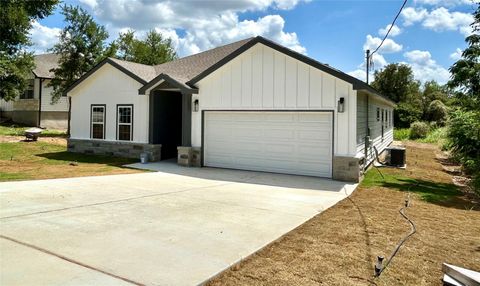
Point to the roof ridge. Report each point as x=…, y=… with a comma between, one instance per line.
x=131, y=62
x=206, y=51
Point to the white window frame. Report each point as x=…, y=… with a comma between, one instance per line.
x=127, y=124
x=104, y=107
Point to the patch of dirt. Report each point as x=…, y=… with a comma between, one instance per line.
x=51, y=140
x=340, y=245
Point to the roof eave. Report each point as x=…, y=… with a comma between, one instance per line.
x=98, y=66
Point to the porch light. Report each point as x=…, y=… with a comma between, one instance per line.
x=195, y=105
x=341, y=105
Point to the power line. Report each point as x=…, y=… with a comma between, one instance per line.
x=369, y=55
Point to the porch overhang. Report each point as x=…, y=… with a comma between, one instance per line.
x=173, y=83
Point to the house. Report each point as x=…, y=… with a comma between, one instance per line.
x=252, y=105
x=34, y=107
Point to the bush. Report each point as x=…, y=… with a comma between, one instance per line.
x=435, y=135
x=464, y=139
x=406, y=113
x=401, y=134
x=419, y=130
x=437, y=111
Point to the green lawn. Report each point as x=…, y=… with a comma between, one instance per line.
x=41, y=160
x=10, y=129
x=437, y=135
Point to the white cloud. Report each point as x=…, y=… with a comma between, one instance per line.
x=43, y=37
x=413, y=15
x=425, y=68
x=389, y=46
x=456, y=55
x=358, y=73
x=439, y=19
x=447, y=3
x=197, y=25
x=394, y=32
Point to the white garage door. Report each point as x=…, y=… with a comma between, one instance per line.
x=281, y=142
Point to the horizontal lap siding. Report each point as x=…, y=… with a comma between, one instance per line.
x=60, y=105
x=262, y=78
x=375, y=126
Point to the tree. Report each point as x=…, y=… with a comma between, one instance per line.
x=15, y=63
x=437, y=112
x=153, y=50
x=432, y=91
x=396, y=81
x=466, y=71
x=81, y=47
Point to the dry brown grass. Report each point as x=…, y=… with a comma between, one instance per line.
x=340, y=245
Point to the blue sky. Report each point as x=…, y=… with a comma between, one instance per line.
x=428, y=35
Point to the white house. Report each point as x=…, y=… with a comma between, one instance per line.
x=252, y=105
x=34, y=107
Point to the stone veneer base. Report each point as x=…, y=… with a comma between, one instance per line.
x=115, y=148
x=349, y=169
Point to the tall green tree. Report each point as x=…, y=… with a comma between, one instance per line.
x=466, y=71
x=396, y=81
x=432, y=92
x=464, y=123
x=16, y=18
x=81, y=46
x=153, y=50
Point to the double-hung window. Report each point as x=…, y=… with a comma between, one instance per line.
x=97, y=120
x=125, y=122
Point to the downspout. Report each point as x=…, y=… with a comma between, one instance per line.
x=69, y=115
x=367, y=137
x=40, y=102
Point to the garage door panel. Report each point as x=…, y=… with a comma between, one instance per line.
x=283, y=142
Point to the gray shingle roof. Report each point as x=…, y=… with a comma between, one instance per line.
x=183, y=69
x=44, y=63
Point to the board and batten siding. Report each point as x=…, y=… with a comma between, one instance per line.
x=375, y=126
x=262, y=78
x=108, y=86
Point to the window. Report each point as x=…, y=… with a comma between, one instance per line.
x=383, y=118
x=124, y=122
x=98, y=122
x=28, y=93
x=378, y=114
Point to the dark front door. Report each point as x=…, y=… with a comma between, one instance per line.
x=166, y=121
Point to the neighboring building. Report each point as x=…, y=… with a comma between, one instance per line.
x=34, y=107
x=252, y=105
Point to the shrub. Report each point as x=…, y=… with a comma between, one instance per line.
x=437, y=111
x=401, y=134
x=406, y=113
x=464, y=139
x=435, y=135
x=419, y=130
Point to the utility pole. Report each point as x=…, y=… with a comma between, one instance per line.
x=368, y=64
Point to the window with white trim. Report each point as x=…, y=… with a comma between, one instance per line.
x=97, y=120
x=124, y=122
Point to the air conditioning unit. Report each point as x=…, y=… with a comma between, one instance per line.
x=396, y=156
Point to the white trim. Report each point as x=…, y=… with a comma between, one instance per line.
x=102, y=123
x=125, y=124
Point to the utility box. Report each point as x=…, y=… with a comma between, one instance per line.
x=396, y=156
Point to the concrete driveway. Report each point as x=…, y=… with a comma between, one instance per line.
x=178, y=226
